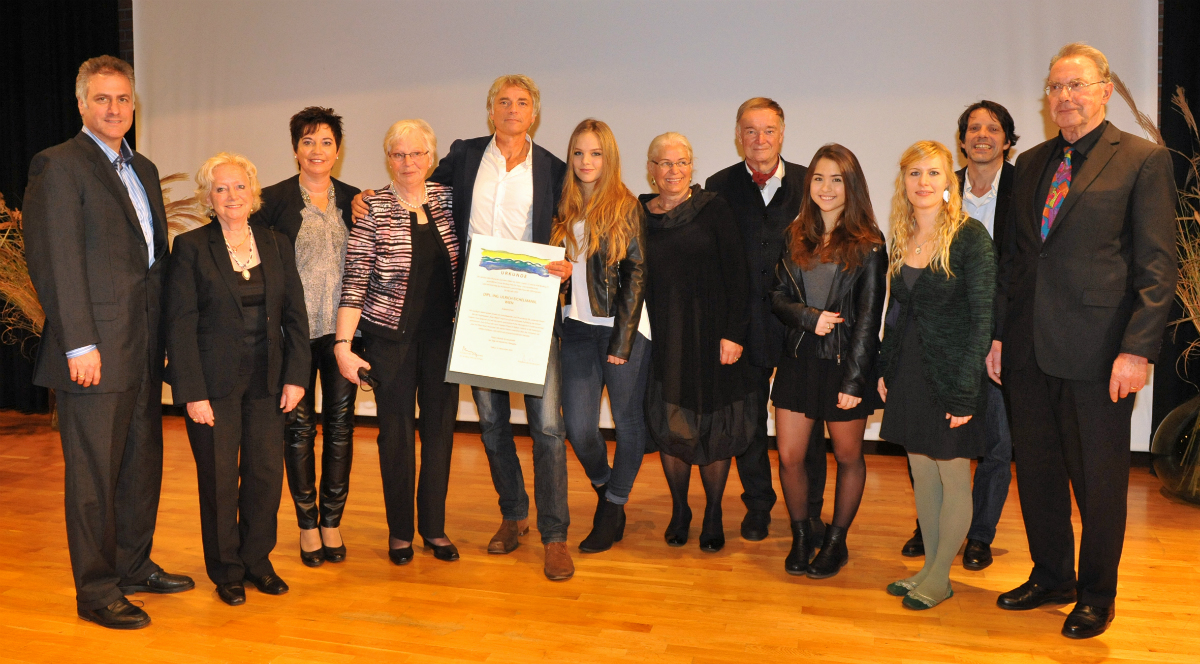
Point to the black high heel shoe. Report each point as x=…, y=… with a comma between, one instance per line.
x=334, y=554
x=677, y=530
x=448, y=553
x=712, y=535
x=401, y=556
x=312, y=558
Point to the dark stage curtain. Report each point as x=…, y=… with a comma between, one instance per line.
x=1175, y=381
x=42, y=44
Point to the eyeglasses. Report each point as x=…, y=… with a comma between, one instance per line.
x=402, y=156
x=1072, y=88
x=668, y=165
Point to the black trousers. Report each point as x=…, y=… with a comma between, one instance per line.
x=412, y=374
x=239, y=474
x=337, y=452
x=754, y=465
x=112, y=449
x=1070, y=436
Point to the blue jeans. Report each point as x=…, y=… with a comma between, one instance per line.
x=993, y=473
x=586, y=371
x=549, y=453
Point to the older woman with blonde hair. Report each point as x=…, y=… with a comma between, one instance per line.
x=937, y=333
x=399, y=289
x=700, y=405
x=238, y=356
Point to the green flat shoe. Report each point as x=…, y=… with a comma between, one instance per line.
x=919, y=602
x=900, y=588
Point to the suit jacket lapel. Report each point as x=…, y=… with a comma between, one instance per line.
x=268, y=255
x=1003, y=196
x=1097, y=159
x=465, y=187
x=108, y=175
x=543, y=198
x=216, y=245
x=747, y=188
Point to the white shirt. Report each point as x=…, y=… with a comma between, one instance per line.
x=581, y=308
x=502, y=202
x=983, y=207
x=773, y=184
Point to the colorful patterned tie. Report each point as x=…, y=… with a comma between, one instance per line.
x=1058, y=191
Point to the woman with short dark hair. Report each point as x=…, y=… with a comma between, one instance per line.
x=312, y=209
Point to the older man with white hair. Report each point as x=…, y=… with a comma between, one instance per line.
x=1080, y=312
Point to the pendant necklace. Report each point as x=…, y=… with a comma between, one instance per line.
x=244, y=267
x=919, y=246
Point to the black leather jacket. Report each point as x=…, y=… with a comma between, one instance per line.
x=858, y=295
x=617, y=291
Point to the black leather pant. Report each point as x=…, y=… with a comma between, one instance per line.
x=337, y=413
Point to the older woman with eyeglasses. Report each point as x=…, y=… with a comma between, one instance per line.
x=398, y=288
x=699, y=404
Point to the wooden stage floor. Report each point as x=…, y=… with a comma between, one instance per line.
x=640, y=602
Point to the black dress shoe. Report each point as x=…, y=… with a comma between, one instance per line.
x=401, y=556
x=977, y=555
x=1030, y=595
x=677, y=530
x=833, y=555
x=232, y=593
x=915, y=546
x=162, y=583
x=1086, y=621
x=118, y=615
x=269, y=584
x=448, y=553
x=754, y=525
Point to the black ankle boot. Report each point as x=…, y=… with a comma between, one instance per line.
x=677, y=530
x=712, y=534
x=609, y=528
x=601, y=498
x=796, y=562
x=832, y=556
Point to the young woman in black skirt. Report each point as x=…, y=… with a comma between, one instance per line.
x=829, y=291
x=931, y=363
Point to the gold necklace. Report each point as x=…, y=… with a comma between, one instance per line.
x=919, y=246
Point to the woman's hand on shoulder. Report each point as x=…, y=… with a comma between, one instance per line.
x=359, y=209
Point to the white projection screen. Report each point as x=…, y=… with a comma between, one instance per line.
x=873, y=75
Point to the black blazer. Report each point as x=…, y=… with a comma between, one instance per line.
x=763, y=228
x=1103, y=281
x=204, y=310
x=460, y=166
x=1000, y=239
x=89, y=262
x=282, y=204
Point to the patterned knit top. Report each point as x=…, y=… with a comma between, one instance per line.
x=379, y=253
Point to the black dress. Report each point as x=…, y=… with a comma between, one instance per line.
x=697, y=292
x=912, y=416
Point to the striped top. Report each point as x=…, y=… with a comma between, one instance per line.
x=379, y=253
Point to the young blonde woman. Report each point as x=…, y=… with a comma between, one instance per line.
x=937, y=332
x=605, y=333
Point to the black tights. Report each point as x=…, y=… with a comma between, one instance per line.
x=792, y=434
x=679, y=477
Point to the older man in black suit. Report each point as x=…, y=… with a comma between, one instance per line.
x=96, y=237
x=1083, y=301
x=765, y=193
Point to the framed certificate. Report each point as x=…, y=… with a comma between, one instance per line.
x=505, y=321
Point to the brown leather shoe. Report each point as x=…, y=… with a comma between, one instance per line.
x=505, y=540
x=558, y=562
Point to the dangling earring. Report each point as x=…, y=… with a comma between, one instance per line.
x=946, y=195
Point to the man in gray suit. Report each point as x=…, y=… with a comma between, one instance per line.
x=96, y=241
